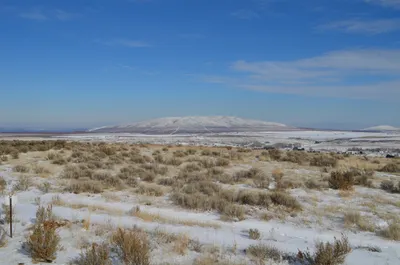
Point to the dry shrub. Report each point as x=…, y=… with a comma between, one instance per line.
x=132, y=246
x=173, y=161
x=179, y=153
x=40, y=170
x=88, y=186
x=254, y=234
x=94, y=255
x=275, y=154
x=206, y=152
x=150, y=190
x=181, y=244
x=76, y=172
x=45, y=187
x=253, y=173
x=391, y=168
x=191, y=167
x=392, y=231
x=166, y=181
x=3, y=184
x=285, y=199
x=323, y=160
x=3, y=237
x=328, y=253
x=389, y=186
x=207, y=162
x=232, y=212
x=23, y=183
x=314, y=184
x=222, y=162
x=342, y=180
x=355, y=218
x=21, y=169
x=44, y=241
x=295, y=157
x=155, y=168
x=262, y=252
x=191, y=151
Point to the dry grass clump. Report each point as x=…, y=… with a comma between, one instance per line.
x=297, y=157
x=254, y=234
x=3, y=237
x=391, y=168
x=327, y=253
x=275, y=154
x=88, y=186
x=40, y=170
x=341, y=180
x=354, y=218
x=262, y=252
x=173, y=161
x=389, y=186
x=23, y=183
x=155, y=168
x=94, y=255
x=44, y=241
x=323, y=160
x=76, y=172
x=21, y=169
x=3, y=184
x=253, y=173
x=180, y=153
x=392, y=232
x=21, y=146
x=208, y=259
x=150, y=190
x=222, y=162
x=181, y=244
x=132, y=246
x=191, y=167
x=285, y=199
x=166, y=181
x=207, y=162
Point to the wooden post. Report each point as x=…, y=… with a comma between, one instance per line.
x=11, y=231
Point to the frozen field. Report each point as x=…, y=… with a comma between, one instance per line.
x=150, y=177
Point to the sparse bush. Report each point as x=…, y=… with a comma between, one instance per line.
x=23, y=183
x=391, y=168
x=3, y=237
x=275, y=154
x=341, y=180
x=94, y=255
x=222, y=162
x=44, y=241
x=181, y=244
x=354, y=218
x=85, y=186
x=191, y=167
x=173, y=161
x=166, y=181
x=389, y=186
x=232, y=211
x=328, y=253
x=179, y=153
x=323, y=160
x=313, y=184
x=285, y=199
x=150, y=190
x=45, y=187
x=207, y=162
x=295, y=157
x=3, y=184
x=21, y=169
x=262, y=252
x=392, y=232
x=253, y=173
x=254, y=234
x=206, y=152
x=132, y=246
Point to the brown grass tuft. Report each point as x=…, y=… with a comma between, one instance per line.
x=131, y=246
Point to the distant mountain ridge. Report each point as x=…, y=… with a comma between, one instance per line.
x=382, y=128
x=194, y=124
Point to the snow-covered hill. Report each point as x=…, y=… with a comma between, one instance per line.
x=196, y=124
x=382, y=128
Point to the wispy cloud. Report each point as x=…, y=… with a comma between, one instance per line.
x=347, y=73
x=42, y=14
x=245, y=14
x=34, y=14
x=387, y=3
x=125, y=43
x=193, y=36
x=364, y=26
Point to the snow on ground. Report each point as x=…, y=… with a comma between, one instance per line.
x=287, y=236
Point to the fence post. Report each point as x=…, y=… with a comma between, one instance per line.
x=11, y=220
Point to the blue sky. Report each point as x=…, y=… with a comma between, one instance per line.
x=323, y=63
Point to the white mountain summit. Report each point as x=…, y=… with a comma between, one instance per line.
x=382, y=128
x=194, y=124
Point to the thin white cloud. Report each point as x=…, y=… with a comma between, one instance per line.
x=387, y=3
x=125, y=43
x=348, y=73
x=63, y=15
x=372, y=27
x=42, y=14
x=245, y=14
x=35, y=14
